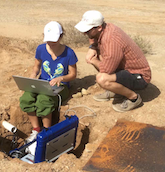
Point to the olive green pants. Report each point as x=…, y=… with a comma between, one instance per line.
x=41, y=104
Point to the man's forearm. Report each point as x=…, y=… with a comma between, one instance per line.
x=95, y=62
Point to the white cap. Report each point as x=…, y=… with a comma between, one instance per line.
x=89, y=20
x=52, y=31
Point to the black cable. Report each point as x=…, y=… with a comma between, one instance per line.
x=13, y=142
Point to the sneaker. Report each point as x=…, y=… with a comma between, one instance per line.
x=127, y=105
x=32, y=136
x=105, y=96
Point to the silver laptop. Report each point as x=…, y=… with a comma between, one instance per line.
x=36, y=86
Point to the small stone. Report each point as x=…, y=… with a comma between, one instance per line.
x=77, y=95
x=84, y=91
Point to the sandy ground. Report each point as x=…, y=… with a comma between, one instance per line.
x=22, y=20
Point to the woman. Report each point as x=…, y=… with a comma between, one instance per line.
x=56, y=63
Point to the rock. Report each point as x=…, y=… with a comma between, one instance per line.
x=77, y=95
x=84, y=91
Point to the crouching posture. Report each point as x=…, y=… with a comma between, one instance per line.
x=121, y=64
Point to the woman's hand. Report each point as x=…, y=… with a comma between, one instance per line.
x=65, y=78
x=33, y=75
x=56, y=81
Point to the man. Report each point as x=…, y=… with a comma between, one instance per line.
x=122, y=66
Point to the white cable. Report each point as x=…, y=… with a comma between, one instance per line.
x=81, y=106
x=86, y=116
x=71, y=109
x=59, y=106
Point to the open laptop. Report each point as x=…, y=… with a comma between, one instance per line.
x=37, y=86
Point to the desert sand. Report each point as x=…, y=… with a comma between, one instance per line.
x=23, y=21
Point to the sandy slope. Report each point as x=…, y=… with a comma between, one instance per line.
x=26, y=19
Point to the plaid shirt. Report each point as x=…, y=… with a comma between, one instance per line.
x=119, y=52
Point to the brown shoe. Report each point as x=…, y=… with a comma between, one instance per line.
x=127, y=105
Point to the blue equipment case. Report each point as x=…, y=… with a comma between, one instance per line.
x=54, y=141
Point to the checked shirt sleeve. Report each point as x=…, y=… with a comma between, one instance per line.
x=112, y=57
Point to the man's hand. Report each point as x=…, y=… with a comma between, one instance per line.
x=91, y=54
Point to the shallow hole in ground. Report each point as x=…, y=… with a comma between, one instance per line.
x=84, y=140
x=10, y=141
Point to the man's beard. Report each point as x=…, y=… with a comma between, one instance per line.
x=91, y=36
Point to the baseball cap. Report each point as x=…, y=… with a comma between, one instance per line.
x=89, y=20
x=52, y=31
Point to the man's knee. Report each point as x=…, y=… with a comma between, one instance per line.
x=104, y=78
x=100, y=78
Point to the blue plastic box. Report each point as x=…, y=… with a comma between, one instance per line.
x=51, y=143
x=59, y=138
